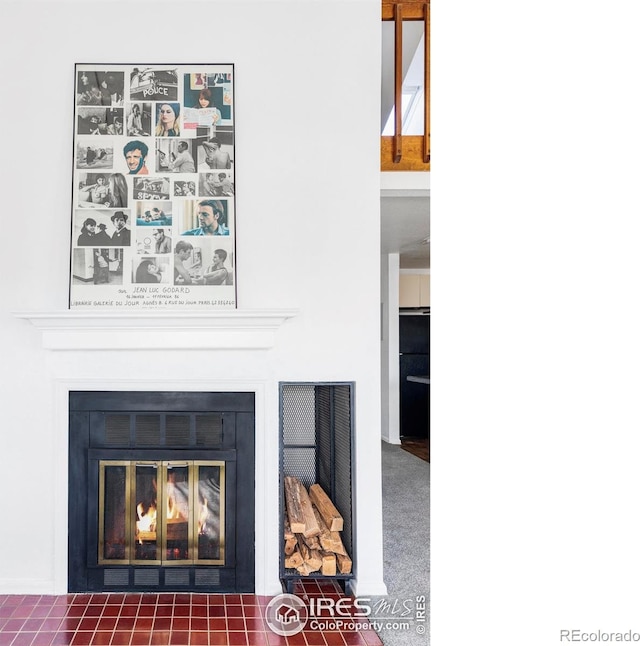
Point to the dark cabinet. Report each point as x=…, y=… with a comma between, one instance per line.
x=414, y=360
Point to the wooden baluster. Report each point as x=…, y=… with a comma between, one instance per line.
x=397, y=139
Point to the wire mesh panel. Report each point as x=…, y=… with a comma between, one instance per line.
x=298, y=433
x=316, y=437
x=342, y=480
x=324, y=437
x=298, y=415
x=301, y=463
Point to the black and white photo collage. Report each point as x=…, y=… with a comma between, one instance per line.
x=153, y=215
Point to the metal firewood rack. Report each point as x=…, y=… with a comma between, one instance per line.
x=316, y=446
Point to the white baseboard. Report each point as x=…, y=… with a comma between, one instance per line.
x=362, y=588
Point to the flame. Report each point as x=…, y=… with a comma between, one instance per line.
x=146, y=521
x=204, y=514
x=173, y=510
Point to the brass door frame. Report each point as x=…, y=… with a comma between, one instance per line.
x=162, y=468
x=159, y=511
x=223, y=480
x=165, y=466
x=127, y=512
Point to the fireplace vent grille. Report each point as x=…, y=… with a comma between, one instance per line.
x=208, y=430
x=176, y=577
x=142, y=430
x=178, y=427
x=116, y=430
x=147, y=430
x=146, y=577
x=119, y=578
x=208, y=578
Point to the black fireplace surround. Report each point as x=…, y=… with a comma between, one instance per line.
x=190, y=443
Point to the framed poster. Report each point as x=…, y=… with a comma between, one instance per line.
x=153, y=199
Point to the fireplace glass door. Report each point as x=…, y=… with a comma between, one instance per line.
x=161, y=512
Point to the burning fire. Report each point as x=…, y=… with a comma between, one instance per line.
x=173, y=508
x=146, y=520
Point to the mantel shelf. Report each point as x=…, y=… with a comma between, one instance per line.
x=221, y=330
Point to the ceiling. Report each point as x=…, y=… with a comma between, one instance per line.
x=405, y=225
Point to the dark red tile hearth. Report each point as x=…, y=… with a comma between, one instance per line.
x=199, y=638
x=160, y=637
x=142, y=638
x=235, y=623
x=43, y=639
x=82, y=638
x=199, y=624
x=164, y=619
x=314, y=638
x=218, y=623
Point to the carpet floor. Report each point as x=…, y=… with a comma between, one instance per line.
x=406, y=544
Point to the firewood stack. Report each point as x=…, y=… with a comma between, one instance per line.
x=312, y=524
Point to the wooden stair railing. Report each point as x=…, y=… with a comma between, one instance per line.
x=407, y=152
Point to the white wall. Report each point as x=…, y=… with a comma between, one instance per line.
x=390, y=349
x=307, y=179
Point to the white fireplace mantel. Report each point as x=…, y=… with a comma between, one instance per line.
x=220, y=330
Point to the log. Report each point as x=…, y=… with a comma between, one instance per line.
x=299, y=508
x=311, y=531
x=328, y=564
x=303, y=549
x=330, y=541
x=329, y=513
x=293, y=504
x=287, y=527
x=344, y=564
x=312, y=542
x=290, y=545
x=304, y=569
x=177, y=530
x=313, y=558
x=294, y=560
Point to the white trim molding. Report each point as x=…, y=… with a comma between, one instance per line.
x=222, y=330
